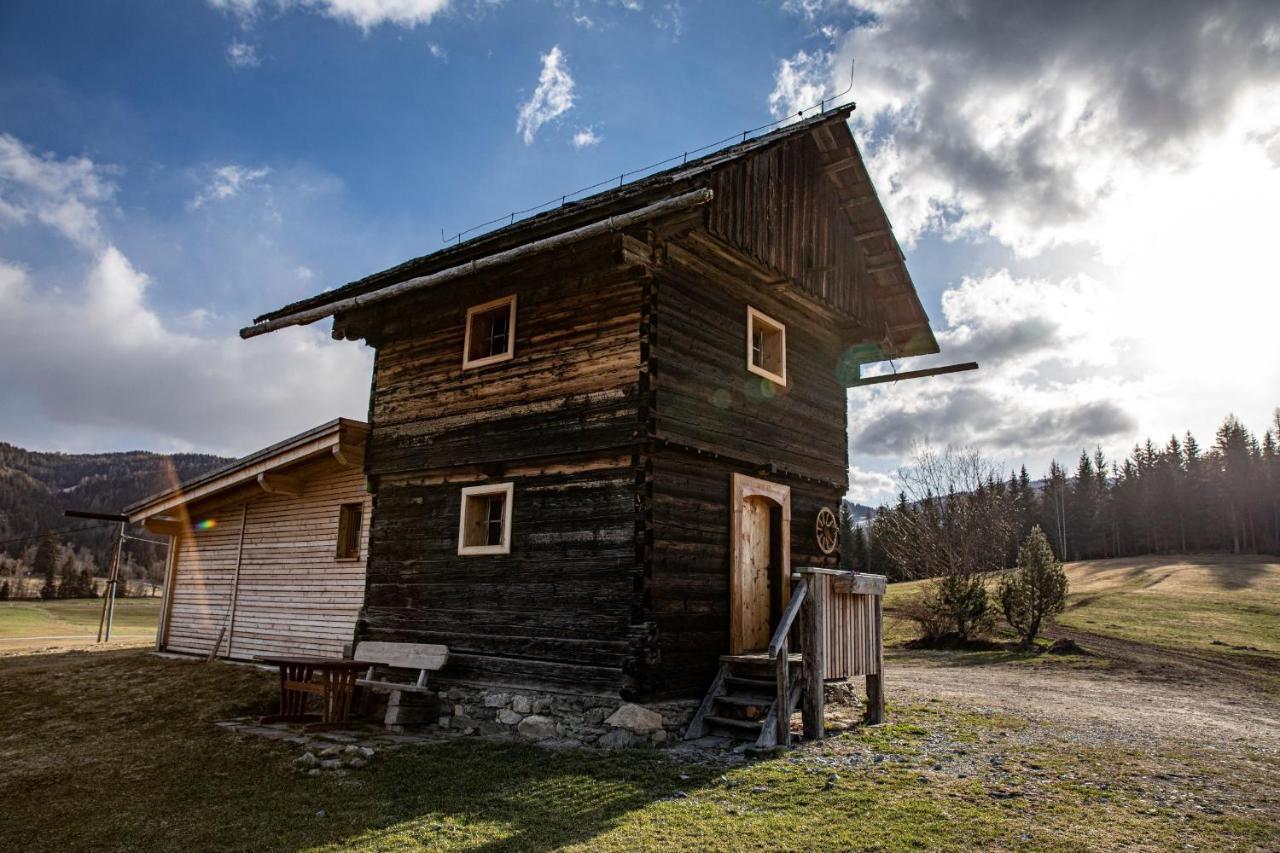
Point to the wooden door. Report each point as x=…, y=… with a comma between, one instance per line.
x=754, y=607
x=760, y=558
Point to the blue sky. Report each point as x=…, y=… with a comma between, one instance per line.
x=170, y=169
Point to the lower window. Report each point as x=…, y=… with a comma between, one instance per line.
x=485, y=523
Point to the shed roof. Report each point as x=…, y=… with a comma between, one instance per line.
x=340, y=435
x=908, y=331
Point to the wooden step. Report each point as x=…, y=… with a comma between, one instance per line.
x=742, y=681
x=729, y=722
x=748, y=701
x=758, y=659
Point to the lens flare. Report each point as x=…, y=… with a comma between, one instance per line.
x=207, y=524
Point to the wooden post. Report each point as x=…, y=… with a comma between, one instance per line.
x=166, y=600
x=875, y=681
x=782, y=671
x=109, y=602
x=235, y=581
x=811, y=645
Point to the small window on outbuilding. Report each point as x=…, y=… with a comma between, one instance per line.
x=766, y=346
x=491, y=333
x=349, y=520
x=485, y=525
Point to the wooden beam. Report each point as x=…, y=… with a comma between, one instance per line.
x=875, y=682
x=280, y=484
x=860, y=584
x=812, y=637
x=912, y=374
x=867, y=235
x=349, y=455
x=164, y=526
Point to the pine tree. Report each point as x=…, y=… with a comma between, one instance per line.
x=4, y=591
x=846, y=538
x=859, y=550
x=46, y=565
x=1036, y=590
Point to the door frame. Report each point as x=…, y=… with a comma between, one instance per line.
x=742, y=487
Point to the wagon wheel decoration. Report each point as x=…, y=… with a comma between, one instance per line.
x=828, y=530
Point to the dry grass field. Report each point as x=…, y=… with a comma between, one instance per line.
x=1135, y=746
x=29, y=626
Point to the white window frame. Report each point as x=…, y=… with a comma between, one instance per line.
x=754, y=316
x=507, y=490
x=469, y=362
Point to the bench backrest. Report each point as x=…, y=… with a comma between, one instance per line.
x=405, y=655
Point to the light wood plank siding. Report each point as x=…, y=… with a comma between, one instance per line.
x=851, y=647
x=294, y=594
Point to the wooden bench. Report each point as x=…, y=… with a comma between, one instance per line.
x=423, y=657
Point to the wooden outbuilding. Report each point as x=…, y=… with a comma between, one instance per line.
x=267, y=554
x=601, y=439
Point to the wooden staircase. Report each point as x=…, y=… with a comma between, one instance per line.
x=743, y=703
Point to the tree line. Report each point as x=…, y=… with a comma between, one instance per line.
x=954, y=507
x=53, y=570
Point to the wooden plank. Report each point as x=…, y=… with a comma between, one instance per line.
x=426, y=656
x=860, y=584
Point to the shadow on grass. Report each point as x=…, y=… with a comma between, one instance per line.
x=130, y=735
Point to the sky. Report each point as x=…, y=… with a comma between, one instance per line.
x=1086, y=195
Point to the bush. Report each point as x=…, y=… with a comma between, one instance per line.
x=954, y=605
x=1036, y=590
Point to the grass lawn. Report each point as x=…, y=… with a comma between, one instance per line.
x=117, y=749
x=27, y=626
x=1223, y=605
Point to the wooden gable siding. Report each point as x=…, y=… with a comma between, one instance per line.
x=570, y=387
x=780, y=208
x=705, y=396
x=294, y=595
x=554, y=613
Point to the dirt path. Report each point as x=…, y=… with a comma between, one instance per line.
x=1149, y=695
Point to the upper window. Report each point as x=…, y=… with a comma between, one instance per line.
x=349, y=518
x=485, y=525
x=491, y=332
x=766, y=346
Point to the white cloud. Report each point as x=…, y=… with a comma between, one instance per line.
x=87, y=362
x=870, y=487
x=365, y=14
x=799, y=83
x=1126, y=182
x=586, y=138
x=552, y=98
x=242, y=55
x=227, y=182
x=97, y=360
x=63, y=194
x=437, y=51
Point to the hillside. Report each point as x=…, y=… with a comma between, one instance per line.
x=36, y=487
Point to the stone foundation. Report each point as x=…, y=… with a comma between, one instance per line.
x=561, y=720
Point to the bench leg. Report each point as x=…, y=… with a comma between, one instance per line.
x=405, y=708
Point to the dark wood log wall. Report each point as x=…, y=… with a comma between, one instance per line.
x=555, y=613
x=571, y=386
x=712, y=418
x=560, y=421
x=620, y=419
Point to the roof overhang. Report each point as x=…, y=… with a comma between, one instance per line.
x=340, y=439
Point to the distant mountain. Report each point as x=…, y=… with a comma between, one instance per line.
x=36, y=487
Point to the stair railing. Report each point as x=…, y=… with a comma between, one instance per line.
x=779, y=654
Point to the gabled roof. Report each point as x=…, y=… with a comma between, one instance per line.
x=341, y=437
x=908, y=331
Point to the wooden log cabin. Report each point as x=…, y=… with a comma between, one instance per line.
x=267, y=554
x=601, y=438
